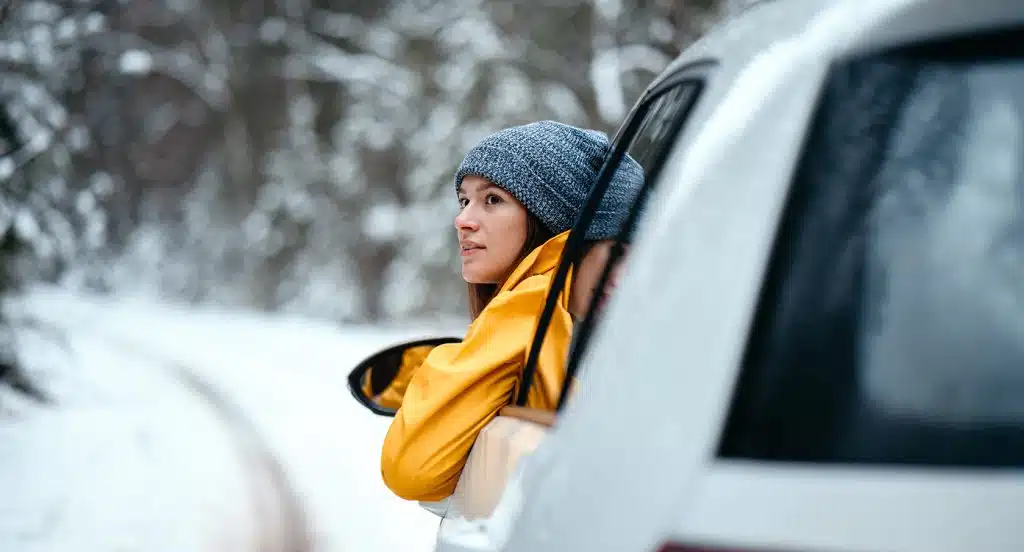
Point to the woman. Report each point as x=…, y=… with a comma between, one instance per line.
x=519, y=192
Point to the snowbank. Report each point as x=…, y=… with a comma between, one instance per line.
x=132, y=459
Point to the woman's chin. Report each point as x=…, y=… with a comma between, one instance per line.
x=474, y=277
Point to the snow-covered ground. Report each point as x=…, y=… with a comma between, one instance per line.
x=135, y=456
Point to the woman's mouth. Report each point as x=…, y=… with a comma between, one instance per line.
x=467, y=249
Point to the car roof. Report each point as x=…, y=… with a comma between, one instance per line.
x=755, y=27
x=748, y=32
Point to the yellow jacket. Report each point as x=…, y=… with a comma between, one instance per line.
x=391, y=397
x=460, y=387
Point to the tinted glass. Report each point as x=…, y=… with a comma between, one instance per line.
x=661, y=124
x=891, y=327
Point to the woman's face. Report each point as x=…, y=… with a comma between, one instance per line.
x=588, y=275
x=492, y=228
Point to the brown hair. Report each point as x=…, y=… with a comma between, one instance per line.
x=481, y=294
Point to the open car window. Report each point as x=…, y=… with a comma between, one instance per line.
x=647, y=136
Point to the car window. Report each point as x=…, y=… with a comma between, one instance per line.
x=647, y=137
x=661, y=124
x=891, y=323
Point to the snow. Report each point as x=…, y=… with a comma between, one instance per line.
x=95, y=22
x=134, y=458
x=16, y=51
x=608, y=9
x=383, y=41
x=272, y=30
x=136, y=62
x=41, y=12
x=6, y=168
x=605, y=73
x=383, y=222
x=515, y=95
x=102, y=183
x=559, y=98
x=67, y=29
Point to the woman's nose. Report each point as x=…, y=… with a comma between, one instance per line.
x=466, y=219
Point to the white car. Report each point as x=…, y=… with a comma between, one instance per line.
x=817, y=344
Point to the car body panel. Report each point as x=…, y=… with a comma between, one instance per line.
x=800, y=507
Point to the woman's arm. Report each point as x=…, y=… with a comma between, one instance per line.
x=458, y=389
x=393, y=394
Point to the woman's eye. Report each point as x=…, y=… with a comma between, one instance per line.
x=493, y=199
x=463, y=202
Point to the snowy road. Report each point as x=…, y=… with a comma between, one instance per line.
x=132, y=458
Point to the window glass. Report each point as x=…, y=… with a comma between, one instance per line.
x=891, y=324
x=661, y=124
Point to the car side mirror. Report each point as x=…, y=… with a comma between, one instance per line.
x=379, y=382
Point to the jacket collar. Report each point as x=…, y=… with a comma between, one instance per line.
x=541, y=260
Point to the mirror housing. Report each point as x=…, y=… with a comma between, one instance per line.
x=379, y=382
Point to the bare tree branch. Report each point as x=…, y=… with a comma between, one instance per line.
x=6, y=8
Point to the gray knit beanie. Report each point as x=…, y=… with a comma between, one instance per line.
x=550, y=168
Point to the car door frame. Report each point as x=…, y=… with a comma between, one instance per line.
x=696, y=74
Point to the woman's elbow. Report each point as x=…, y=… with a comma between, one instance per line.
x=410, y=477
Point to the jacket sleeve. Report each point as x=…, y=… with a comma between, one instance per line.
x=458, y=389
x=412, y=359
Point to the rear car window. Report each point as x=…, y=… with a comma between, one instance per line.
x=662, y=122
x=891, y=323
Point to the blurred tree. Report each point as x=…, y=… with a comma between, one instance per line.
x=51, y=216
x=290, y=154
